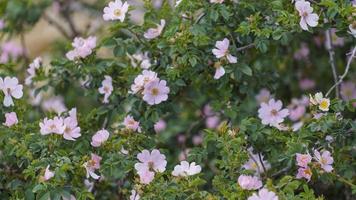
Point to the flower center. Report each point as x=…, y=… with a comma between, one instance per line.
x=67, y=129
x=117, y=12
x=150, y=165
x=323, y=161
x=8, y=91
x=52, y=127
x=324, y=104
x=304, y=14
x=106, y=89
x=155, y=91
x=274, y=112
x=308, y=171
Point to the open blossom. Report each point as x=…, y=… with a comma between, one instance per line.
x=304, y=173
x=10, y=119
x=54, y=104
x=306, y=14
x=155, y=92
x=160, y=126
x=186, y=169
x=106, y=88
x=319, y=100
x=11, y=88
x=222, y=50
x=99, y=138
x=150, y=162
x=141, y=80
x=71, y=129
x=141, y=59
x=48, y=174
x=152, y=33
x=10, y=50
x=116, y=10
x=216, y=1
x=324, y=159
x=92, y=165
x=131, y=124
x=271, y=113
x=263, y=194
x=54, y=125
x=249, y=182
x=134, y=195
x=31, y=70
x=263, y=96
x=146, y=176
x=82, y=47
x=219, y=71
x=296, y=111
x=257, y=167
x=303, y=159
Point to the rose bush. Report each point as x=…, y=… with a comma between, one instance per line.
x=206, y=99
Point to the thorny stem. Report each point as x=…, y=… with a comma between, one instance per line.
x=329, y=47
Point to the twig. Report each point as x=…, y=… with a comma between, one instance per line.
x=255, y=161
x=263, y=166
x=56, y=25
x=200, y=18
x=249, y=46
x=341, y=78
x=329, y=47
x=25, y=51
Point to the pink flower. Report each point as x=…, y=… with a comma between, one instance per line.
x=257, y=167
x=146, y=176
x=306, y=14
x=249, y=182
x=348, y=91
x=54, y=125
x=36, y=64
x=263, y=194
x=106, y=88
x=134, y=195
x=271, y=113
x=325, y=160
x=11, y=88
x=263, y=96
x=54, y=104
x=141, y=80
x=92, y=165
x=302, y=53
x=304, y=173
x=212, y=122
x=10, y=119
x=296, y=112
x=303, y=159
x=116, y=11
x=82, y=48
x=219, y=72
x=197, y=139
x=217, y=1
x=155, y=92
x=306, y=84
x=222, y=50
x=10, y=50
x=186, y=169
x=2, y=24
x=48, y=174
x=152, y=33
x=160, y=126
x=297, y=126
x=140, y=59
x=71, y=130
x=131, y=124
x=99, y=138
x=154, y=161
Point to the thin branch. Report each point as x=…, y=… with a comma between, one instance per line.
x=59, y=27
x=255, y=161
x=25, y=50
x=263, y=166
x=249, y=46
x=341, y=78
x=329, y=47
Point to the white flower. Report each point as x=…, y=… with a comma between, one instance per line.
x=306, y=14
x=82, y=47
x=263, y=194
x=178, y=2
x=216, y=1
x=141, y=80
x=106, y=88
x=352, y=28
x=186, y=169
x=11, y=88
x=36, y=64
x=116, y=11
x=219, y=72
x=48, y=174
x=322, y=102
x=152, y=33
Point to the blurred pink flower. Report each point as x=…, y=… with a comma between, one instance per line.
x=304, y=173
x=11, y=88
x=141, y=80
x=306, y=14
x=48, y=174
x=116, y=10
x=131, y=124
x=271, y=113
x=296, y=112
x=10, y=119
x=186, y=169
x=348, y=91
x=160, y=126
x=92, y=165
x=302, y=53
x=82, y=47
x=54, y=125
x=197, y=139
x=263, y=194
x=99, y=138
x=152, y=33
x=2, y=24
x=297, y=126
x=306, y=84
x=71, y=130
x=55, y=104
x=222, y=50
x=325, y=160
x=155, y=92
x=219, y=72
x=212, y=122
x=106, y=88
x=303, y=159
x=134, y=195
x=249, y=182
x=10, y=50
x=263, y=96
x=336, y=40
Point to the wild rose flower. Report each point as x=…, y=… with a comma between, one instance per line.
x=160, y=126
x=257, y=167
x=146, y=176
x=263, y=194
x=303, y=159
x=302, y=53
x=263, y=96
x=249, y=182
x=217, y=1
x=82, y=48
x=141, y=80
x=212, y=122
x=48, y=174
x=336, y=40
x=11, y=88
x=54, y=104
x=134, y=195
x=222, y=50
x=306, y=84
x=348, y=91
x=152, y=33
x=318, y=99
x=131, y=124
x=36, y=64
x=71, y=128
x=306, y=14
x=324, y=159
x=99, y=138
x=10, y=119
x=140, y=59
x=154, y=161
x=197, y=139
x=54, y=125
x=219, y=71
x=92, y=165
x=271, y=113
x=155, y=92
x=116, y=10
x=297, y=126
x=186, y=169
x=10, y=50
x=296, y=111
x=304, y=173
x=106, y=88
